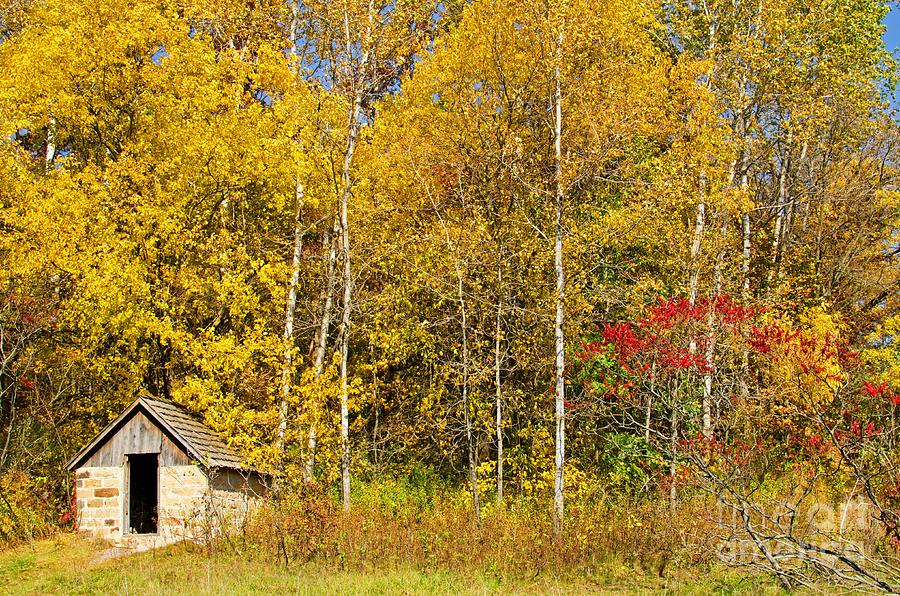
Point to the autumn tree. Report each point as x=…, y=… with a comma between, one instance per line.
x=156, y=220
x=357, y=50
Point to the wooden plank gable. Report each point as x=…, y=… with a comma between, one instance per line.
x=137, y=435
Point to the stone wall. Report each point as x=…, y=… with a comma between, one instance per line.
x=191, y=505
x=182, y=503
x=233, y=496
x=98, y=494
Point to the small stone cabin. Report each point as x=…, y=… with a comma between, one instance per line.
x=156, y=475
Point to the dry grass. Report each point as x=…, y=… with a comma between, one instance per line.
x=616, y=547
x=68, y=564
x=401, y=544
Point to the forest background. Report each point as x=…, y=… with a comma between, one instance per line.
x=584, y=267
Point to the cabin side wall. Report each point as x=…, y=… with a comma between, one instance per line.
x=233, y=496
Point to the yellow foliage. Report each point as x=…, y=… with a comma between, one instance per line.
x=802, y=363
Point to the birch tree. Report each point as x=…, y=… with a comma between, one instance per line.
x=559, y=325
x=358, y=49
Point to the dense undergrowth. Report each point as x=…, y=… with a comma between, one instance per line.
x=33, y=507
x=420, y=530
x=387, y=529
x=426, y=524
x=401, y=534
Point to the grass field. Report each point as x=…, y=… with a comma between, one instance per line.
x=69, y=564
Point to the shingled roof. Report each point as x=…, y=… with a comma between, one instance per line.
x=198, y=441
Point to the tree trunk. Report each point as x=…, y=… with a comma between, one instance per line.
x=50, y=154
x=745, y=300
x=791, y=213
x=359, y=81
x=470, y=441
x=560, y=414
x=347, y=301
x=498, y=361
x=673, y=447
x=649, y=410
x=699, y=229
x=694, y=284
x=745, y=221
x=288, y=365
x=329, y=241
x=780, y=211
x=709, y=356
x=745, y=263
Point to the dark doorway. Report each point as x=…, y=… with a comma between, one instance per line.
x=143, y=492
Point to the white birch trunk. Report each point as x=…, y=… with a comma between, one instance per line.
x=347, y=304
x=745, y=260
x=649, y=409
x=788, y=212
x=353, y=128
x=330, y=241
x=709, y=356
x=699, y=229
x=673, y=448
x=560, y=413
x=288, y=364
x=745, y=299
x=50, y=154
x=780, y=211
x=694, y=284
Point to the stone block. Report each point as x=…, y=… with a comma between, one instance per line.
x=101, y=472
x=194, y=487
x=179, y=511
x=106, y=492
x=184, y=492
x=95, y=503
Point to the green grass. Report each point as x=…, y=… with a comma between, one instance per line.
x=69, y=564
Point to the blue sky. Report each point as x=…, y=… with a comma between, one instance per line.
x=892, y=38
x=892, y=35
